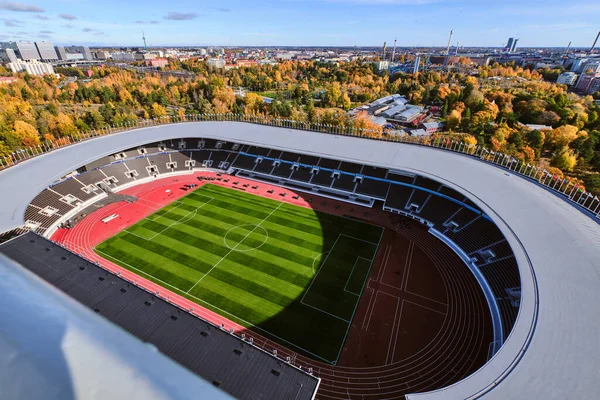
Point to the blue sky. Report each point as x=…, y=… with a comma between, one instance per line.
x=302, y=22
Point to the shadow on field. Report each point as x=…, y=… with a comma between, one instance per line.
x=300, y=327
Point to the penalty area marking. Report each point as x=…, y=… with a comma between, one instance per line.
x=315, y=259
x=234, y=248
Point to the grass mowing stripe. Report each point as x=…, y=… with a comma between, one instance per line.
x=262, y=307
x=152, y=259
x=257, y=283
x=168, y=252
x=270, y=268
x=237, y=278
x=188, y=238
x=271, y=213
x=275, y=230
x=127, y=261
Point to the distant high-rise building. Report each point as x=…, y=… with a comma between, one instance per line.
x=8, y=52
x=416, y=67
x=85, y=52
x=27, y=51
x=514, y=46
x=509, y=45
x=61, y=52
x=74, y=53
x=46, y=51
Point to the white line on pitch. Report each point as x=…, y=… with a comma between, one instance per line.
x=180, y=219
x=253, y=326
x=350, y=275
x=234, y=247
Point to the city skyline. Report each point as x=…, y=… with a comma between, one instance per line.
x=302, y=23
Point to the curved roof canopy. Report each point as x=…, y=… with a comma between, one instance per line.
x=552, y=350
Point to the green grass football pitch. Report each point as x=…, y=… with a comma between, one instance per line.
x=289, y=273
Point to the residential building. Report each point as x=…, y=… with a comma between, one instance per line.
x=578, y=64
x=595, y=86
x=591, y=67
x=567, y=78
x=157, y=62
x=27, y=51
x=46, y=51
x=31, y=67
x=586, y=82
x=216, y=62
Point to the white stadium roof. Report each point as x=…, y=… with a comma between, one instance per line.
x=551, y=352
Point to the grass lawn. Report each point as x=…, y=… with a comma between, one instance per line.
x=287, y=272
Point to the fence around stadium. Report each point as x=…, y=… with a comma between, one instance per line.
x=566, y=188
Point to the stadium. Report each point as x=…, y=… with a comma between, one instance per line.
x=275, y=262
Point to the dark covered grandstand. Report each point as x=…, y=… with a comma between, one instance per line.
x=229, y=363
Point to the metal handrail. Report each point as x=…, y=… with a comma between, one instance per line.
x=565, y=187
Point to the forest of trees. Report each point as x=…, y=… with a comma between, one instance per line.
x=491, y=106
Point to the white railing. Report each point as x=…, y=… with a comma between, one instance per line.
x=565, y=187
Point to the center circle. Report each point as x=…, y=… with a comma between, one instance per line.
x=246, y=237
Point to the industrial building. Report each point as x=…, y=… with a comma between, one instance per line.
x=394, y=109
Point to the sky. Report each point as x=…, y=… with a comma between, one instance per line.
x=302, y=22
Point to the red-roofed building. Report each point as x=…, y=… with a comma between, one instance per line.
x=157, y=62
x=7, y=80
x=246, y=63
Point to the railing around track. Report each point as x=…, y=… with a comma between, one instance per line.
x=565, y=187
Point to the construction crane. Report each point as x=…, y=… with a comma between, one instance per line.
x=568, y=48
x=449, y=40
x=595, y=41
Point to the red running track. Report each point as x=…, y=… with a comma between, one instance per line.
x=423, y=332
